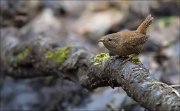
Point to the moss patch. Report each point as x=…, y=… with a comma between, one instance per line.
x=135, y=60
x=21, y=56
x=168, y=45
x=166, y=21
x=59, y=56
x=100, y=58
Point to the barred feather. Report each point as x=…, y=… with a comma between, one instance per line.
x=145, y=24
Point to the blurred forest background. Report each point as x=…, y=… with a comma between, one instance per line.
x=83, y=23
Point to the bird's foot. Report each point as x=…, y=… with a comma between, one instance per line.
x=125, y=59
x=131, y=58
x=117, y=56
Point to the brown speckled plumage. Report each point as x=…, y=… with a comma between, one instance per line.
x=127, y=42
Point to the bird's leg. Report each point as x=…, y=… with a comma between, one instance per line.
x=128, y=58
x=111, y=53
x=114, y=56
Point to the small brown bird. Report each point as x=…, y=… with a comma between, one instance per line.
x=125, y=43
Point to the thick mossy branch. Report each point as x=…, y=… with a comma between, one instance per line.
x=79, y=65
x=59, y=55
x=135, y=80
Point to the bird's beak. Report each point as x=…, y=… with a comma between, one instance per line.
x=100, y=40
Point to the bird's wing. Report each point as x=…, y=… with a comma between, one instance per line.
x=136, y=40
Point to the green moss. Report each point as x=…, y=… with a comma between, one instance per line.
x=59, y=55
x=100, y=58
x=135, y=60
x=169, y=44
x=22, y=55
x=166, y=21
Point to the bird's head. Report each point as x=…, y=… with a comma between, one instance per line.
x=110, y=41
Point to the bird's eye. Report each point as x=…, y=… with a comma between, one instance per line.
x=109, y=39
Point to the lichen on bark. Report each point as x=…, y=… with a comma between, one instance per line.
x=22, y=55
x=98, y=59
x=59, y=55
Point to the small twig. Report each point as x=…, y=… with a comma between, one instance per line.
x=175, y=85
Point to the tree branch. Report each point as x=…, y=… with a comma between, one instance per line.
x=77, y=64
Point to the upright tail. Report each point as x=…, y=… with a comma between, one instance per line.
x=145, y=24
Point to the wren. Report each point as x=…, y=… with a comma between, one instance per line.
x=127, y=42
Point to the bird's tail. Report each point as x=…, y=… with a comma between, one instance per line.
x=145, y=24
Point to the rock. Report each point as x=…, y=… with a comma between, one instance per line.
x=95, y=24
